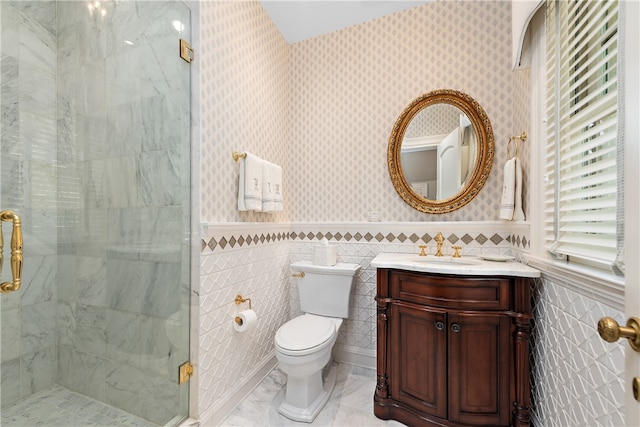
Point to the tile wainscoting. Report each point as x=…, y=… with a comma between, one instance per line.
x=253, y=259
x=578, y=379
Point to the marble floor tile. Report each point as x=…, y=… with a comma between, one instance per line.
x=350, y=405
x=58, y=406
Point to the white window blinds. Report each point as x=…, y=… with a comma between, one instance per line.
x=582, y=130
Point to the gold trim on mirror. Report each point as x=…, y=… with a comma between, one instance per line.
x=484, y=157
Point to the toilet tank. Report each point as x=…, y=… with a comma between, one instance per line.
x=325, y=290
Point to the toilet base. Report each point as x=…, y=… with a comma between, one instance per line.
x=308, y=414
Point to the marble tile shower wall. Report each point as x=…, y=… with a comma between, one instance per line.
x=28, y=186
x=123, y=151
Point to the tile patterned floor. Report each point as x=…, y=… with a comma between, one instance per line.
x=351, y=402
x=58, y=406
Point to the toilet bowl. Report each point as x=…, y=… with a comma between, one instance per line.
x=303, y=345
x=303, y=349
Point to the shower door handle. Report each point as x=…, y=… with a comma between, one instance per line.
x=16, y=251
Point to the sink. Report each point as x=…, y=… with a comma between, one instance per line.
x=465, y=266
x=445, y=261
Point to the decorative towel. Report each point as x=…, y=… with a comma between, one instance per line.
x=267, y=187
x=277, y=194
x=272, y=188
x=250, y=183
x=511, y=204
x=518, y=213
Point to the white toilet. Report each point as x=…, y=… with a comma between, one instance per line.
x=303, y=344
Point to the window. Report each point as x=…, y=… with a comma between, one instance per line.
x=582, y=165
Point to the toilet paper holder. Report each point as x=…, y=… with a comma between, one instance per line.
x=240, y=300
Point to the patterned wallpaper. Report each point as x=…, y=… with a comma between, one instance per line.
x=348, y=88
x=522, y=123
x=244, y=106
x=324, y=108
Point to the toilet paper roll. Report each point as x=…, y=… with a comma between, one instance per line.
x=245, y=320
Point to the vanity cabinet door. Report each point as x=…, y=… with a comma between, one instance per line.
x=479, y=369
x=418, y=354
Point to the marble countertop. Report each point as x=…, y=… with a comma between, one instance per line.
x=464, y=266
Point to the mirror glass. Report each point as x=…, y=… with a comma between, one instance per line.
x=440, y=151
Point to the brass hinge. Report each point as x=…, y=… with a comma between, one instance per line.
x=186, y=52
x=186, y=370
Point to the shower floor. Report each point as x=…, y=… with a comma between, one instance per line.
x=58, y=406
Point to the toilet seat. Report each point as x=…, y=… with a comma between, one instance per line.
x=304, y=334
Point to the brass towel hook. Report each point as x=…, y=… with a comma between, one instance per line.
x=522, y=137
x=237, y=156
x=16, y=251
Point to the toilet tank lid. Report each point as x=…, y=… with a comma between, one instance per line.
x=340, y=268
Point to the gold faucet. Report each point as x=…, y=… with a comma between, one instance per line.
x=439, y=241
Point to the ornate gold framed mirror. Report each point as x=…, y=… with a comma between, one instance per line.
x=440, y=151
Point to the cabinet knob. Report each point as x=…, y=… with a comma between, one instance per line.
x=440, y=326
x=455, y=327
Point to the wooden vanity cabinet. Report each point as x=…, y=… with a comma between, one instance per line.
x=452, y=350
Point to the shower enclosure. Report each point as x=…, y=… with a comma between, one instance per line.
x=95, y=142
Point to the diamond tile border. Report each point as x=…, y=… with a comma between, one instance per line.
x=231, y=238
x=519, y=242
x=233, y=241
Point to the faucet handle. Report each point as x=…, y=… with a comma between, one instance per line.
x=422, y=250
x=456, y=251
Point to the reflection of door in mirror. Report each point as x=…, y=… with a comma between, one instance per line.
x=448, y=157
x=438, y=151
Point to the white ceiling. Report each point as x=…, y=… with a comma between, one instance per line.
x=299, y=20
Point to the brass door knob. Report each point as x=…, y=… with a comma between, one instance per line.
x=611, y=331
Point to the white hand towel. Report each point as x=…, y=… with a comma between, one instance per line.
x=518, y=213
x=250, y=183
x=272, y=188
x=507, y=204
x=268, y=187
x=276, y=176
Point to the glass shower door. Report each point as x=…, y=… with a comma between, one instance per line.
x=95, y=159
